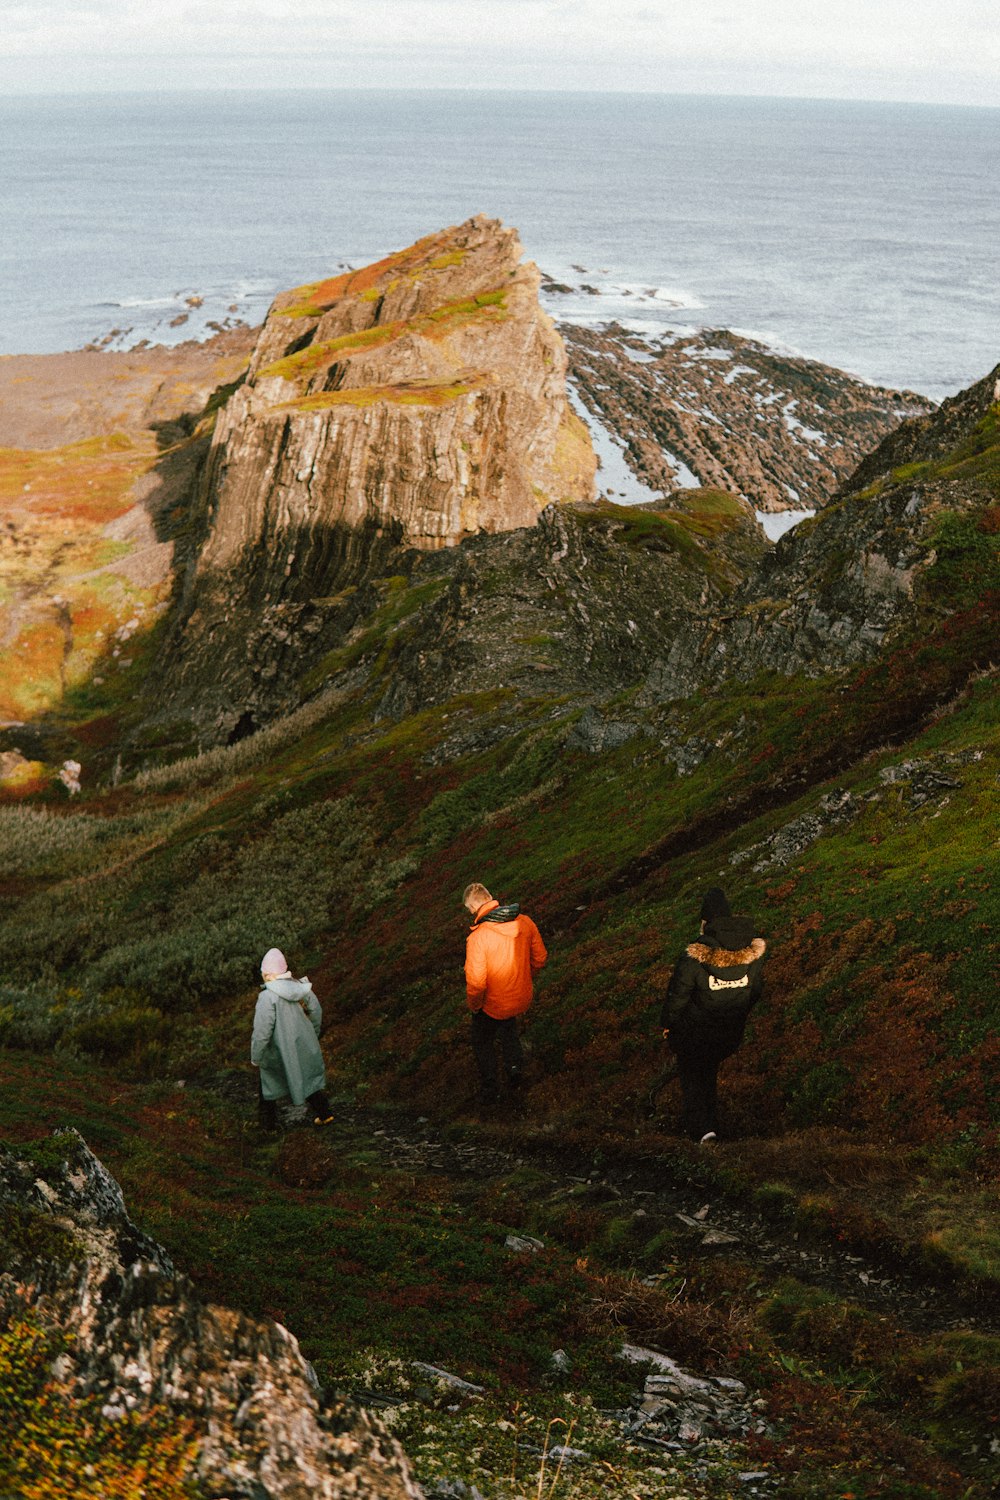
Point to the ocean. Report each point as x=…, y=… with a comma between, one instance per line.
x=863, y=235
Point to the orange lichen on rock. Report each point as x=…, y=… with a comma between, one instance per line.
x=438, y=324
x=317, y=297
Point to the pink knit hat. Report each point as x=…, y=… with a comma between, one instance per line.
x=273, y=964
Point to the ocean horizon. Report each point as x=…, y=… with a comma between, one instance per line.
x=861, y=235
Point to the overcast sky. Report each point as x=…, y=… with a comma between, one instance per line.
x=935, y=51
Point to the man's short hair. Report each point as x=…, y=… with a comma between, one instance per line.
x=475, y=894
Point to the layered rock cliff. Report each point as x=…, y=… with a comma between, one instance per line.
x=109, y=1334
x=425, y=392
x=416, y=402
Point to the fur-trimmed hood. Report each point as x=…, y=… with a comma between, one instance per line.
x=726, y=958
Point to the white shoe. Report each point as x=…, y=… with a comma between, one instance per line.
x=708, y=1139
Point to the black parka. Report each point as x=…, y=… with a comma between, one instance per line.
x=713, y=989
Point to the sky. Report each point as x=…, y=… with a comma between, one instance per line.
x=923, y=51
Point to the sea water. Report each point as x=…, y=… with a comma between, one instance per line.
x=863, y=235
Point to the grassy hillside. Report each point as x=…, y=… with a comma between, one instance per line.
x=853, y=815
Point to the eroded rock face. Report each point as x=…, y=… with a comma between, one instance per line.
x=426, y=391
x=136, y=1337
x=579, y=605
x=932, y=436
x=842, y=587
x=830, y=595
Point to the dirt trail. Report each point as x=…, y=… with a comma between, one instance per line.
x=711, y=1223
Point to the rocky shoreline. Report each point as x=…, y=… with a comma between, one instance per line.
x=711, y=408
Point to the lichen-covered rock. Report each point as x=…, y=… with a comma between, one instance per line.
x=580, y=605
x=135, y=1338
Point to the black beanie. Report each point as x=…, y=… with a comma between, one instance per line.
x=715, y=904
x=730, y=933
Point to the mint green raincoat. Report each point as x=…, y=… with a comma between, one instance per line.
x=285, y=1041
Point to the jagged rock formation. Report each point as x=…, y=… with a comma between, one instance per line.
x=931, y=437
x=841, y=587
x=580, y=604
x=783, y=431
x=134, y=1338
x=418, y=401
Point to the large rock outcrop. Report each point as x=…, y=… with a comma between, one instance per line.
x=413, y=403
x=426, y=392
x=132, y=1340
x=842, y=587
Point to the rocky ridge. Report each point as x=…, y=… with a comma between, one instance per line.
x=713, y=407
x=135, y=1338
x=841, y=587
x=530, y=611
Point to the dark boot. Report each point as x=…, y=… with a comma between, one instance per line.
x=267, y=1114
x=320, y=1105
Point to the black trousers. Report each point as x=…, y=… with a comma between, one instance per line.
x=486, y=1032
x=698, y=1071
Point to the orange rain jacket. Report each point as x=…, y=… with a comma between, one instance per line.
x=501, y=960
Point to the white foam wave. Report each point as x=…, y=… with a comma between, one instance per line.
x=135, y=304
x=776, y=523
x=770, y=340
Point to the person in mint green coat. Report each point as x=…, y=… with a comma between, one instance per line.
x=285, y=1043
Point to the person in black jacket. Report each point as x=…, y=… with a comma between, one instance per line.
x=715, y=984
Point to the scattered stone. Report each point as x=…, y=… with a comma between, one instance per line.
x=452, y=1489
x=594, y=734
x=70, y=776
x=523, y=1244
x=676, y=1408
x=560, y=1362
x=455, y=1381
x=688, y=756
x=720, y=1237
x=834, y=810
x=919, y=780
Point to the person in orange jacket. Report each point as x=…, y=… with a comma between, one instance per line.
x=503, y=953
